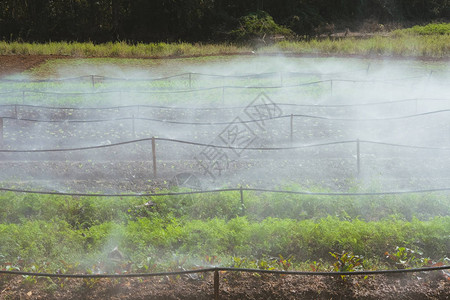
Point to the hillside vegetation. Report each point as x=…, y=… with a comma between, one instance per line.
x=201, y=20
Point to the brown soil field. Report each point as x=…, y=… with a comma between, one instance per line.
x=11, y=64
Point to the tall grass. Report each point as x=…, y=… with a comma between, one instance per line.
x=437, y=46
x=399, y=43
x=117, y=49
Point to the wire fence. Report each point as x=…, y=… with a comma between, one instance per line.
x=93, y=78
x=240, y=190
x=67, y=120
x=217, y=270
x=164, y=91
x=225, y=269
x=280, y=77
x=138, y=107
x=210, y=123
x=153, y=141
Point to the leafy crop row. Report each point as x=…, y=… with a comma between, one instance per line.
x=84, y=212
x=50, y=230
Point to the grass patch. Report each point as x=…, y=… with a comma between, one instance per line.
x=118, y=49
x=437, y=46
x=432, y=40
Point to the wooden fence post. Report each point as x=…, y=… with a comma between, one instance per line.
x=331, y=88
x=216, y=285
x=358, y=157
x=1, y=132
x=154, y=156
x=241, y=191
x=133, y=127
x=223, y=95
x=292, y=129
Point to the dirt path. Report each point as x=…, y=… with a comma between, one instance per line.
x=10, y=64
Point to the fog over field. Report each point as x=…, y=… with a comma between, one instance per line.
x=329, y=122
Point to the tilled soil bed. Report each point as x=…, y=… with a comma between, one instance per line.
x=12, y=64
x=432, y=285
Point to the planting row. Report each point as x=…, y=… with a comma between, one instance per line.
x=47, y=230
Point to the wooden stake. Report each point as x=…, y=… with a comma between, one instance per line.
x=241, y=191
x=1, y=132
x=154, y=156
x=223, y=95
x=358, y=157
x=331, y=88
x=133, y=127
x=292, y=129
x=216, y=285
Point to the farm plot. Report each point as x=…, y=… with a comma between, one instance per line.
x=310, y=151
x=322, y=121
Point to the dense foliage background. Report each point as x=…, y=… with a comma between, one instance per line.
x=198, y=20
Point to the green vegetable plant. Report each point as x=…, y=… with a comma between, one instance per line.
x=346, y=262
x=404, y=258
x=238, y=262
x=284, y=263
x=316, y=266
x=90, y=282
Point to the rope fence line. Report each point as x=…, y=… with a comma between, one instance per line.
x=217, y=270
x=241, y=189
x=251, y=75
x=139, y=106
x=190, y=90
x=281, y=85
x=226, y=269
x=219, y=146
x=211, y=123
x=153, y=141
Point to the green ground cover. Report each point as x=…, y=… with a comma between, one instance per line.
x=53, y=231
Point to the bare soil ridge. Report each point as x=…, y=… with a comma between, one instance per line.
x=14, y=64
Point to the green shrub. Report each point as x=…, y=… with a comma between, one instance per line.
x=258, y=26
x=430, y=29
